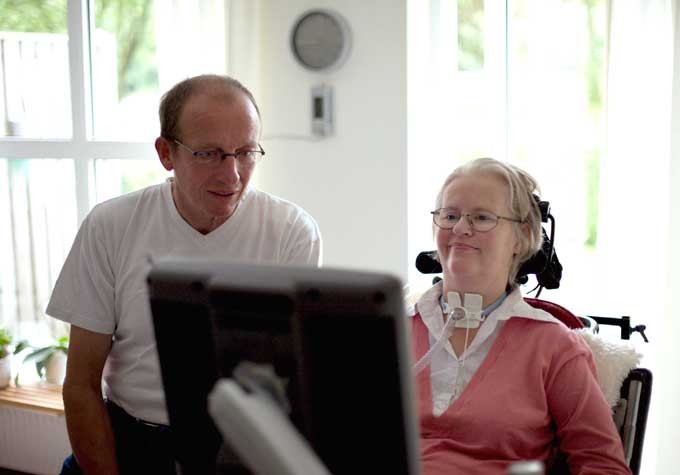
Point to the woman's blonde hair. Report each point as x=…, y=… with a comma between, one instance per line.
x=522, y=187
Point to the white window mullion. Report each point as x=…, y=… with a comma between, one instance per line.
x=79, y=62
x=81, y=98
x=7, y=256
x=508, y=78
x=37, y=148
x=20, y=239
x=496, y=71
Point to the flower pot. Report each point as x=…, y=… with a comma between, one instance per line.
x=5, y=371
x=55, y=368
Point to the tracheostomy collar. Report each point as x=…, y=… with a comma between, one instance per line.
x=466, y=314
x=470, y=313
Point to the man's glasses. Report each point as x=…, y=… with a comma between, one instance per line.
x=215, y=156
x=480, y=221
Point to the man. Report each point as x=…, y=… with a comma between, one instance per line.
x=210, y=130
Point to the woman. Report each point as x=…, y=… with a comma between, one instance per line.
x=498, y=380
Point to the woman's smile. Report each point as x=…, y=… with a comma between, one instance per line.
x=462, y=247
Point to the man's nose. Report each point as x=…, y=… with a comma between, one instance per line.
x=229, y=171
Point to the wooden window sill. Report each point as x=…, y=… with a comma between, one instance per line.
x=43, y=397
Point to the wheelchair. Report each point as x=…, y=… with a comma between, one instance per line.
x=630, y=412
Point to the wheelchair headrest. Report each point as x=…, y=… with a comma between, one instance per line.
x=544, y=264
x=557, y=311
x=548, y=270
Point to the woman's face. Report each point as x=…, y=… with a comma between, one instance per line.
x=473, y=261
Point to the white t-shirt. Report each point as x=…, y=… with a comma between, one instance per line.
x=102, y=286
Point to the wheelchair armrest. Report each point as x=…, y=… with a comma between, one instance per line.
x=636, y=390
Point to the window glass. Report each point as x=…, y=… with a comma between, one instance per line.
x=477, y=76
x=138, y=49
x=457, y=94
x=37, y=226
x=34, y=70
x=556, y=74
x=525, y=86
x=142, y=48
x=116, y=177
x=470, y=35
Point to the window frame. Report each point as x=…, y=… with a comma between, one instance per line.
x=82, y=147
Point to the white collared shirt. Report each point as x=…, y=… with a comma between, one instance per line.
x=450, y=374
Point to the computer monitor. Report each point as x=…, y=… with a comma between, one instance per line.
x=338, y=339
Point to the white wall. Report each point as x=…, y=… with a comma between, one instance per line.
x=354, y=182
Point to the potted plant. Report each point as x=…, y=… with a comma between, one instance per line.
x=50, y=360
x=6, y=352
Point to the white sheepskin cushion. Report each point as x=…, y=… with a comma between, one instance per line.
x=613, y=361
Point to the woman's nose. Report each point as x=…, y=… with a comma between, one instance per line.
x=463, y=226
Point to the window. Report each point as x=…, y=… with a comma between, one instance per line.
x=38, y=213
x=556, y=82
x=545, y=84
x=577, y=92
x=523, y=84
x=34, y=76
x=80, y=83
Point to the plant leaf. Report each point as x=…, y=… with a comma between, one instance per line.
x=39, y=355
x=5, y=337
x=21, y=346
x=39, y=365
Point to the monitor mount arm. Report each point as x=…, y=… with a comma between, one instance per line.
x=250, y=412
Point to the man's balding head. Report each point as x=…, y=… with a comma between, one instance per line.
x=172, y=102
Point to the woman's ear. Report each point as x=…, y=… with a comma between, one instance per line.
x=526, y=236
x=163, y=150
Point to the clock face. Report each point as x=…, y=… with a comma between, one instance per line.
x=320, y=39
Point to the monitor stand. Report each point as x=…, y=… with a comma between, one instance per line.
x=249, y=412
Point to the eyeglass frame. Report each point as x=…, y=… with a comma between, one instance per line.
x=221, y=154
x=435, y=213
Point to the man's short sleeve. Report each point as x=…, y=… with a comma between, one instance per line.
x=84, y=292
x=304, y=246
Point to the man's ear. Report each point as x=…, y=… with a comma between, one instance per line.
x=163, y=150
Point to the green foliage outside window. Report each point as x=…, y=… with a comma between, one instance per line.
x=130, y=21
x=594, y=77
x=471, y=58
x=593, y=189
x=470, y=35
x=43, y=16
x=135, y=181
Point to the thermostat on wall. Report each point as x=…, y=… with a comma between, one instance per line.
x=322, y=110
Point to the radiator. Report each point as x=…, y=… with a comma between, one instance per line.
x=32, y=441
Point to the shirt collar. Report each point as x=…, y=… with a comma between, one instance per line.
x=512, y=306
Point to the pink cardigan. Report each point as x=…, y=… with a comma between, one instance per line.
x=536, y=389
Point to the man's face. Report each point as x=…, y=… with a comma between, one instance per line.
x=206, y=195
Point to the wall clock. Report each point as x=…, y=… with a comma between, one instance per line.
x=320, y=39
